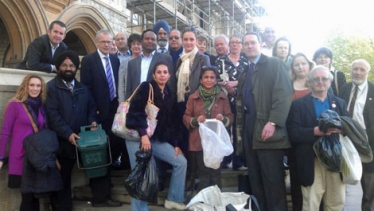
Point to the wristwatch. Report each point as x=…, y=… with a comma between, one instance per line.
x=272, y=123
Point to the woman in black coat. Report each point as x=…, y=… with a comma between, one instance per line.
x=164, y=141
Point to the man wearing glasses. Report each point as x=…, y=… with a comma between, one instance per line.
x=175, y=45
x=318, y=183
x=99, y=72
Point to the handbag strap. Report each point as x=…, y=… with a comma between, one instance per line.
x=34, y=127
x=133, y=93
x=150, y=94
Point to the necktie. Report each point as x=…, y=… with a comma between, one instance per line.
x=109, y=77
x=353, y=101
x=70, y=87
x=162, y=50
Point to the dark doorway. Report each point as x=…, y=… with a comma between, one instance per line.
x=4, y=44
x=75, y=44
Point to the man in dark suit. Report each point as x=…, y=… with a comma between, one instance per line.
x=263, y=101
x=317, y=181
x=43, y=50
x=99, y=73
x=141, y=68
x=359, y=94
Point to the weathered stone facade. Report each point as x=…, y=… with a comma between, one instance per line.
x=21, y=21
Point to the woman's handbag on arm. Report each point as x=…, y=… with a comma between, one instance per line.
x=119, y=124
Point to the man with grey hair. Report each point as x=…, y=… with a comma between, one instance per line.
x=317, y=181
x=221, y=44
x=99, y=72
x=359, y=95
x=121, y=42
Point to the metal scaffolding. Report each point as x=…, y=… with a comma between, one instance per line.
x=209, y=17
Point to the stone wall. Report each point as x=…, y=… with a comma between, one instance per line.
x=113, y=11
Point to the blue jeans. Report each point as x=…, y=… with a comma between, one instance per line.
x=165, y=152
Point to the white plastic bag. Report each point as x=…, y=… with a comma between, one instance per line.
x=212, y=199
x=351, y=166
x=215, y=141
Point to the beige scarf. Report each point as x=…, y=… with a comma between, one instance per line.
x=184, y=74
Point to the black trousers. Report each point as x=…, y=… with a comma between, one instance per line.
x=29, y=202
x=62, y=201
x=207, y=176
x=265, y=172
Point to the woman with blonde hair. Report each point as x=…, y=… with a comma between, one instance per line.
x=17, y=125
x=299, y=69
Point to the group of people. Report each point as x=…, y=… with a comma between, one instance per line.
x=268, y=99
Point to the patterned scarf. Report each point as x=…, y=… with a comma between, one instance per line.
x=184, y=74
x=208, y=97
x=33, y=104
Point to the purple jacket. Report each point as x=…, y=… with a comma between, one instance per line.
x=16, y=127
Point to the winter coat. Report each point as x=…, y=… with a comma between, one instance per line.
x=68, y=111
x=195, y=108
x=168, y=123
x=40, y=172
x=272, y=91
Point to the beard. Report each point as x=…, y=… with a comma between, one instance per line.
x=67, y=75
x=162, y=42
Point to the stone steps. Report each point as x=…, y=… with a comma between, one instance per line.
x=229, y=179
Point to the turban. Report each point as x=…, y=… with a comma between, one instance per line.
x=161, y=24
x=67, y=55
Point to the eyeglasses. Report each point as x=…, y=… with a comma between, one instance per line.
x=65, y=66
x=173, y=38
x=236, y=43
x=105, y=42
x=317, y=80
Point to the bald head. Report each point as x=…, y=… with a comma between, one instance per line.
x=121, y=42
x=359, y=71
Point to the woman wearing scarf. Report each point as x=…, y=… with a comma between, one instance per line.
x=188, y=72
x=17, y=125
x=207, y=102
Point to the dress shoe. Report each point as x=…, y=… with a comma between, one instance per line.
x=174, y=205
x=107, y=203
x=241, y=168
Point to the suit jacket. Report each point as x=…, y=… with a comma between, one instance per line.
x=368, y=114
x=94, y=77
x=134, y=71
x=39, y=55
x=301, y=122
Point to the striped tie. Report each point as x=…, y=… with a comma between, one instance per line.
x=109, y=77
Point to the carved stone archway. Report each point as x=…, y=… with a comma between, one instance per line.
x=84, y=21
x=24, y=21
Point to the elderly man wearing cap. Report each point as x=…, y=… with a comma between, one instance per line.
x=69, y=106
x=162, y=30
